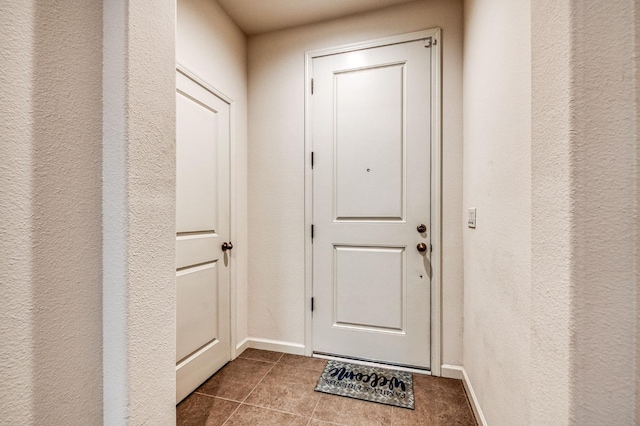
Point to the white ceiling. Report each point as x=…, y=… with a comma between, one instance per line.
x=259, y=16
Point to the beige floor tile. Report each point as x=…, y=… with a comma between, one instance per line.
x=288, y=389
x=352, y=412
x=260, y=355
x=279, y=390
x=437, y=385
x=438, y=401
x=316, y=422
x=199, y=410
x=315, y=364
x=236, y=379
x=248, y=415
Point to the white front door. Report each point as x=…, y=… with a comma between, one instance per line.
x=371, y=112
x=202, y=226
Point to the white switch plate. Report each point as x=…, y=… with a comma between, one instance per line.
x=472, y=217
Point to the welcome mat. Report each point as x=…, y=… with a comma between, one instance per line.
x=375, y=384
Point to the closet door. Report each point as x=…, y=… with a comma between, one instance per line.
x=202, y=228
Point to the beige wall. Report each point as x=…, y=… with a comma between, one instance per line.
x=637, y=231
x=138, y=164
x=210, y=45
x=497, y=182
x=276, y=164
x=50, y=213
x=551, y=221
x=585, y=249
x=604, y=176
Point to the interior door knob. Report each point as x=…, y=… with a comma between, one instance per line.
x=422, y=228
x=227, y=246
x=422, y=247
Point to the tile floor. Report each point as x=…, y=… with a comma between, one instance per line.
x=263, y=388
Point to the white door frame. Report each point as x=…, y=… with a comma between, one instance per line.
x=436, y=181
x=232, y=199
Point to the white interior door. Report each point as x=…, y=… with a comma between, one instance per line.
x=202, y=225
x=371, y=112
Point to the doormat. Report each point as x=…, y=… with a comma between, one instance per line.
x=375, y=384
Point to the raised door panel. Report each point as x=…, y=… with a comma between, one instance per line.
x=196, y=165
x=369, y=288
x=369, y=139
x=197, y=304
x=196, y=249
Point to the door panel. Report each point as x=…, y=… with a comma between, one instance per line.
x=202, y=225
x=196, y=249
x=196, y=171
x=369, y=143
x=197, y=298
x=369, y=288
x=371, y=113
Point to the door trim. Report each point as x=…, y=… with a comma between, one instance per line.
x=436, y=181
x=232, y=199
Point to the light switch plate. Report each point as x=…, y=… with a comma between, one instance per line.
x=472, y=218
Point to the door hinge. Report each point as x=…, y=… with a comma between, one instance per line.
x=430, y=248
x=312, y=232
x=312, y=86
x=312, y=160
x=312, y=307
x=428, y=42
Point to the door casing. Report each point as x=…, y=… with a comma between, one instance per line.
x=436, y=181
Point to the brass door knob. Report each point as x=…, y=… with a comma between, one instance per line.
x=422, y=247
x=227, y=246
x=422, y=228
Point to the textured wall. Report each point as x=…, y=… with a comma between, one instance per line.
x=497, y=181
x=637, y=232
x=210, y=45
x=139, y=212
x=586, y=247
x=51, y=213
x=603, y=185
x=276, y=163
x=551, y=218
x=16, y=304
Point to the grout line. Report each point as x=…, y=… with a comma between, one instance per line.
x=219, y=397
x=393, y=411
x=260, y=350
x=257, y=360
x=302, y=368
x=273, y=409
x=258, y=384
x=245, y=398
x=314, y=409
x=231, y=415
x=254, y=388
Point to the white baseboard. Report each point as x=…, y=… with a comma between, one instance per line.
x=242, y=346
x=270, y=345
x=451, y=371
x=473, y=399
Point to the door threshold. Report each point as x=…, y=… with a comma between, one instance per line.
x=372, y=363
